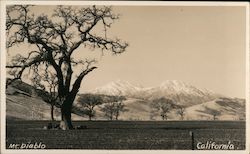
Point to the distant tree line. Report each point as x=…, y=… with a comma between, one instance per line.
x=111, y=106
x=163, y=106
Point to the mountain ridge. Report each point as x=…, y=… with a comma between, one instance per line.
x=181, y=92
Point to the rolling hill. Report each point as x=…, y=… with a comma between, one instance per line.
x=25, y=102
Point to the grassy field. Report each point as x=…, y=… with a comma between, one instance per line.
x=128, y=134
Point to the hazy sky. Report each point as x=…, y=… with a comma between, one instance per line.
x=203, y=46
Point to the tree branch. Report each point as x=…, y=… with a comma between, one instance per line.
x=68, y=75
x=116, y=46
x=78, y=81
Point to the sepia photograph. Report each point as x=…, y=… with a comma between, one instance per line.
x=124, y=76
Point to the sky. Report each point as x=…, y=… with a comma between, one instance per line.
x=200, y=45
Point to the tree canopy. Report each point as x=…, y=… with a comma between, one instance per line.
x=88, y=102
x=163, y=106
x=57, y=38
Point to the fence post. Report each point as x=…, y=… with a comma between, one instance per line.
x=192, y=139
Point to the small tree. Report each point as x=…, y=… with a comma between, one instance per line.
x=49, y=79
x=89, y=102
x=119, y=107
x=162, y=106
x=108, y=110
x=113, y=108
x=215, y=113
x=181, y=111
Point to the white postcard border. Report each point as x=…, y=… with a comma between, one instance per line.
x=119, y=3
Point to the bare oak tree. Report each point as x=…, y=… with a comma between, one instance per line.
x=51, y=81
x=108, y=110
x=119, y=106
x=181, y=111
x=113, y=108
x=88, y=103
x=56, y=38
x=162, y=106
x=215, y=114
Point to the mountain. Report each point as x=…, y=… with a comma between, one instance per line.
x=199, y=104
x=118, y=87
x=180, y=92
x=25, y=102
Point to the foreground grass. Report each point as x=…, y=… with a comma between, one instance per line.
x=128, y=134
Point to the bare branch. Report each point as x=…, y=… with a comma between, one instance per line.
x=116, y=46
x=87, y=70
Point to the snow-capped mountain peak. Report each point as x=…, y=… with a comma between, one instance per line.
x=178, y=91
x=174, y=86
x=118, y=87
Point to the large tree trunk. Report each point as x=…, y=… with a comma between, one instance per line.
x=66, y=122
x=66, y=107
